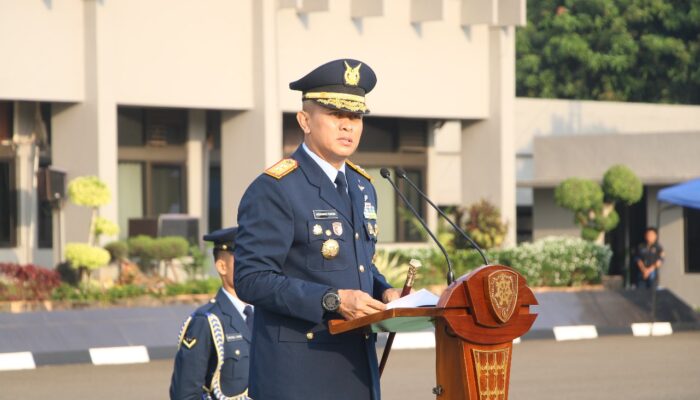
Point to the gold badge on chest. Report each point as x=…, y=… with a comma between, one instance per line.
x=338, y=228
x=330, y=249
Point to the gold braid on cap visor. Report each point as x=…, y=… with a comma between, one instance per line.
x=348, y=101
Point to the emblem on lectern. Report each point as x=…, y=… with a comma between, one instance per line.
x=503, y=293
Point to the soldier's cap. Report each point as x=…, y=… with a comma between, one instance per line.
x=223, y=239
x=339, y=84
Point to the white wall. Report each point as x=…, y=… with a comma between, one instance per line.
x=436, y=69
x=550, y=117
x=179, y=53
x=42, y=50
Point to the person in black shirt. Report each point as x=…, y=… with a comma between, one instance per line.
x=649, y=258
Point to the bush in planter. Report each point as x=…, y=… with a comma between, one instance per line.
x=118, y=250
x=141, y=248
x=558, y=261
x=27, y=282
x=553, y=261
x=86, y=258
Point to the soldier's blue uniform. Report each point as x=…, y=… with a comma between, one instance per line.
x=300, y=238
x=280, y=269
x=213, y=358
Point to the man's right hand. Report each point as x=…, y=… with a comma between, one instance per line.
x=356, y=304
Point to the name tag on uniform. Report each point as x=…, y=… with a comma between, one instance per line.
x=325, y=214
x=233, y=337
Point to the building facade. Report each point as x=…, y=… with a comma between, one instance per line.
x=179, y=105
x=559, y=139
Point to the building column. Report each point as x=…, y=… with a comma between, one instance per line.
x=84, y=135
x=252, y=140
x=488, y=146
x=26, y=169
x=444, y=167
x=197, y=192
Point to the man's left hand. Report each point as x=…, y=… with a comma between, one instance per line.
x=391, y=295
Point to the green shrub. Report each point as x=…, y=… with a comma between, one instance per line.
x=553, y=261
x=88, y=191
x=169, y=247
x=81, y=255
x=118, y=250
x=141, y=250
x=103, y=226
x=621, y=184
x=203, y=286
x=195, y=267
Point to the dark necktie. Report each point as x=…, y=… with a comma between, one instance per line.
x=342, y=187
x=248, y=311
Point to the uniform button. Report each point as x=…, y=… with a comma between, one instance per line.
x=238, y=352
x=366, y=336
x=362, y=268
x=357, y=236
x=310, y=335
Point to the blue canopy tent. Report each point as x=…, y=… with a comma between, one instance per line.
x=686, y=194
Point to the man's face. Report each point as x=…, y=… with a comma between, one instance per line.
x=332, y=134
x=650, y=236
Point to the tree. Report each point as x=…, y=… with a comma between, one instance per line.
x=90, y=191
x=624, y=50
x=594, y=206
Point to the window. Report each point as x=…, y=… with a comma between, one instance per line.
x=214, y=198
x=131, y=199
x=167, y=190
x=8, y=210
x=138, y=127
x=692, y=240
x=149, y=190
x=6, y=121
x=524, y=224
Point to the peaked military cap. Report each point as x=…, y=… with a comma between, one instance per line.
x=223, y=239
x=340, y=84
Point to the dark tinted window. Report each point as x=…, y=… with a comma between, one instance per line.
x=692, y=240
x=8, y=211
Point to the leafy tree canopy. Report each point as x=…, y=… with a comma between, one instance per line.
x=622, y=50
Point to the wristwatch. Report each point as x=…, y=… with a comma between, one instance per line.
x=331, y=300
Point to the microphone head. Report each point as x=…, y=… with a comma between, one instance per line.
x=384, y=172
x=400, y=172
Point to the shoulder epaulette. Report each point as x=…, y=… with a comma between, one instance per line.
x=282, y=168
x=358, y=169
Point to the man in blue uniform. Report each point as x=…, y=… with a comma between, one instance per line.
x=213, y=359
x=306, y=240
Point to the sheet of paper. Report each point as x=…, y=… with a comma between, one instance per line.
x=420, y=298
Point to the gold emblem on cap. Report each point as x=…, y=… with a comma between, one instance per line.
x=317, y=230
x=330, y=249
x=352, y=75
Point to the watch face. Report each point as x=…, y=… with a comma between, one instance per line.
x=331, y=301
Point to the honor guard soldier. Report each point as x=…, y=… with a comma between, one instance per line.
x=304, y=250
x=213, y=359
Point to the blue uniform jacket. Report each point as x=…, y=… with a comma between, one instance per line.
x=280, y=270
x=195, y=362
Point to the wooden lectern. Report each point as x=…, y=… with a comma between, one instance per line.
x=476, y=320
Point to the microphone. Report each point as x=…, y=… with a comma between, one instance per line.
x=450, y=272
x=401, y=173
